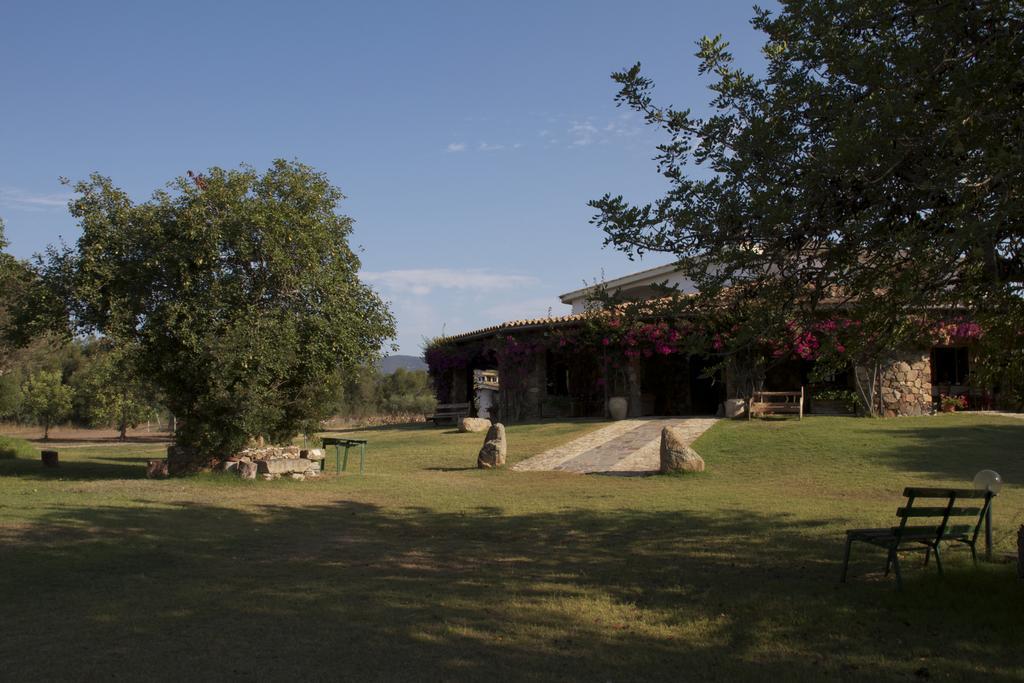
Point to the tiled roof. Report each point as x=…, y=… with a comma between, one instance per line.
x=517, y=325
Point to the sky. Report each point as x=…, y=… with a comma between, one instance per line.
x=468, y=137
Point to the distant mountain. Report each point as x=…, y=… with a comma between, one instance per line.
x=391, y=363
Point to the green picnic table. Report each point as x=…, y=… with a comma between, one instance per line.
x=338, y=443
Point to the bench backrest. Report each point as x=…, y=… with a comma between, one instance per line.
x=778, y=396
x=941, y=517
x=451, y=408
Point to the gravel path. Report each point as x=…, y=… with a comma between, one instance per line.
x=627, y=447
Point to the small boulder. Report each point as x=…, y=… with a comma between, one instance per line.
x=247, y=469
x=157, y=469
x=676, y=456
x=474, y=424
x=492, y=454
x=312, y=454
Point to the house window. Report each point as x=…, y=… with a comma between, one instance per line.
x=950, y=366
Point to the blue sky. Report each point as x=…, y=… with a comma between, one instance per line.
x=467, y=136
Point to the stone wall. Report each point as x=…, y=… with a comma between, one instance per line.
x=906, y=383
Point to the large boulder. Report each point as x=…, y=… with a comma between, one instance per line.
x=474, y=424
x=247, y=469
x=492, y=454
x=676, y=456
x=283, y=466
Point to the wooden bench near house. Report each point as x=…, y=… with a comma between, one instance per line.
x=449, y=412
x=776, y=402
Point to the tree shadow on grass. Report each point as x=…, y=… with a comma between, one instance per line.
x=350, y=590
x=89, y=469
x=406, y=427
x=957, y=452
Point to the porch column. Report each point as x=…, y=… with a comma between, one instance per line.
x=633, y=380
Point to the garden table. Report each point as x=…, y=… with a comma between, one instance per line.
x=338, y=443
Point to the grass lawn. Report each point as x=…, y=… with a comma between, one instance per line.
x=428, y=569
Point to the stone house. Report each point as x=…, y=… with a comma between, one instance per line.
x=542, y=375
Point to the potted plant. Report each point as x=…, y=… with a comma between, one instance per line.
x=950, y=404
x=835, y=402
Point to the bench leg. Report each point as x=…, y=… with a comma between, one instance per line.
x=896, y=569
x=927, y=554
x=362, y=457
x=337, y=458
x=888, y=560
x=846, y=559
x=344, y=463
x=938, y=558
x=974, y=554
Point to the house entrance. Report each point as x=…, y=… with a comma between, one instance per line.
x=672, y=385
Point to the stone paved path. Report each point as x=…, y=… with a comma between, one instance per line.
x=627, y=447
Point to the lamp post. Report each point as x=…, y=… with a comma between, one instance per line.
x=988, y=480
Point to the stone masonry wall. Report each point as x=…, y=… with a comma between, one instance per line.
x=906, y=384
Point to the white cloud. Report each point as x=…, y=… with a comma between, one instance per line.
x=16, y=198
x=485, y=147
x=582, y=133
x=421, y=282
x=587, y=132
x=456, y=147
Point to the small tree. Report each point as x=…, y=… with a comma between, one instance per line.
x=47, y=399
x=111, y=388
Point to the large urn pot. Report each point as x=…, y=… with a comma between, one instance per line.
x=618, y=407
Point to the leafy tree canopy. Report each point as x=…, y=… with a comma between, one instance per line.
x=47, y=399
x=236, y=290
x=878, y=165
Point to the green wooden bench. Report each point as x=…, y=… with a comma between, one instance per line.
x=938, y=515
x=340, y=443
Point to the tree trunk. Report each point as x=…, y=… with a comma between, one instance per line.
x=123, y=427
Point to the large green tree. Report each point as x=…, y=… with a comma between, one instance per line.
x=237, y=291
x=15, y=277
x=876, y=165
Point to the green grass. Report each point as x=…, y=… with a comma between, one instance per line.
x=11, y=447
x=430, y=569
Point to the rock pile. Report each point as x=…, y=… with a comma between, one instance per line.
x=268, y=462
x=273, y=462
